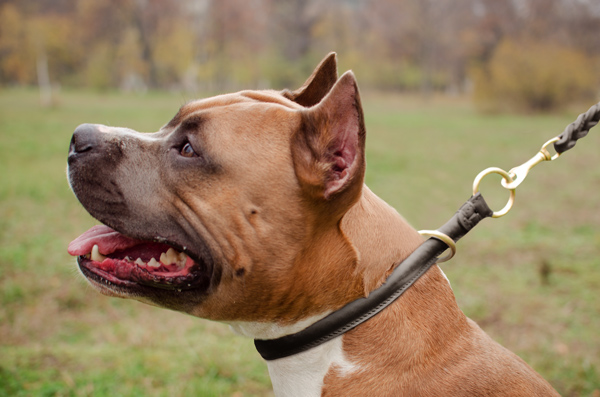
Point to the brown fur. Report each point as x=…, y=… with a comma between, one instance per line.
x=278, y=203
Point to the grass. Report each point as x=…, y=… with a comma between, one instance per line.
x=530, y=279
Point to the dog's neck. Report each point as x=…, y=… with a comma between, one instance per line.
x=381, y=238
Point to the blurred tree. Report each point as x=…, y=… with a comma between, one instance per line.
x=99, y=28
x=17, y=59
x=131, y=70
x=534, y=54
x=234, y=41
x=173, y=53
x=495, y=20
x=51, y=36
x=534, y=76
x=291, y=37
x=153, y=18
x=294, y=23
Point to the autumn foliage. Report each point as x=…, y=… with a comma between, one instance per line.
x=537, y=54
x=536, y=76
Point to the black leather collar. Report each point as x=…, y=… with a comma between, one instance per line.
x=404, y=275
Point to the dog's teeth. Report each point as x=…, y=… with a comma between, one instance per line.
x=96, y=255
x=181, y=259
x=169, y=257
x=139, y=262
x=128, y=259
x=163, y=259
x=153, y=263
x=172, y=255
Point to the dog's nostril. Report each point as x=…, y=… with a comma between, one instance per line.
x=84, y=139
x=79, y=147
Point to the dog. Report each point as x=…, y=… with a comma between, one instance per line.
x=251, y=209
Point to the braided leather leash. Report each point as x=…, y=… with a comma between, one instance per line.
x=578, y=129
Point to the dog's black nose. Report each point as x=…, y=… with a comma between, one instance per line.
x=85, y=139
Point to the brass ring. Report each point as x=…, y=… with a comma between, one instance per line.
x=507, y=178
x=443, y=238
x=545, y=151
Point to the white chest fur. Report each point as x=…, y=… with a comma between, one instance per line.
x=300, y=375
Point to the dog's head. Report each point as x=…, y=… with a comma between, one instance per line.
x=233, y=207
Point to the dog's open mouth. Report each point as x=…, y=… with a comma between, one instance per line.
x=110, y=258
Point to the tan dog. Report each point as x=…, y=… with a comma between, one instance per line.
x=250, y=209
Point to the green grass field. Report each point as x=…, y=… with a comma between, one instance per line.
x=530, y=279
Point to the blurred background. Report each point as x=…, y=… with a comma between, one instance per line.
x=538, y=54
x=449, y=88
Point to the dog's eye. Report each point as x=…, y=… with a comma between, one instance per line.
x=188, y=151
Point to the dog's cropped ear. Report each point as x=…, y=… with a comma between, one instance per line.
x=318, y=84
x=329, y=147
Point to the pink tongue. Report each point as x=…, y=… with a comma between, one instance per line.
x=108, y=241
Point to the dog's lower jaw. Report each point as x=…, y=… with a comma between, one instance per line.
x=264, y=330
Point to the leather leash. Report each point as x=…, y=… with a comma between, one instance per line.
x=407, y=272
